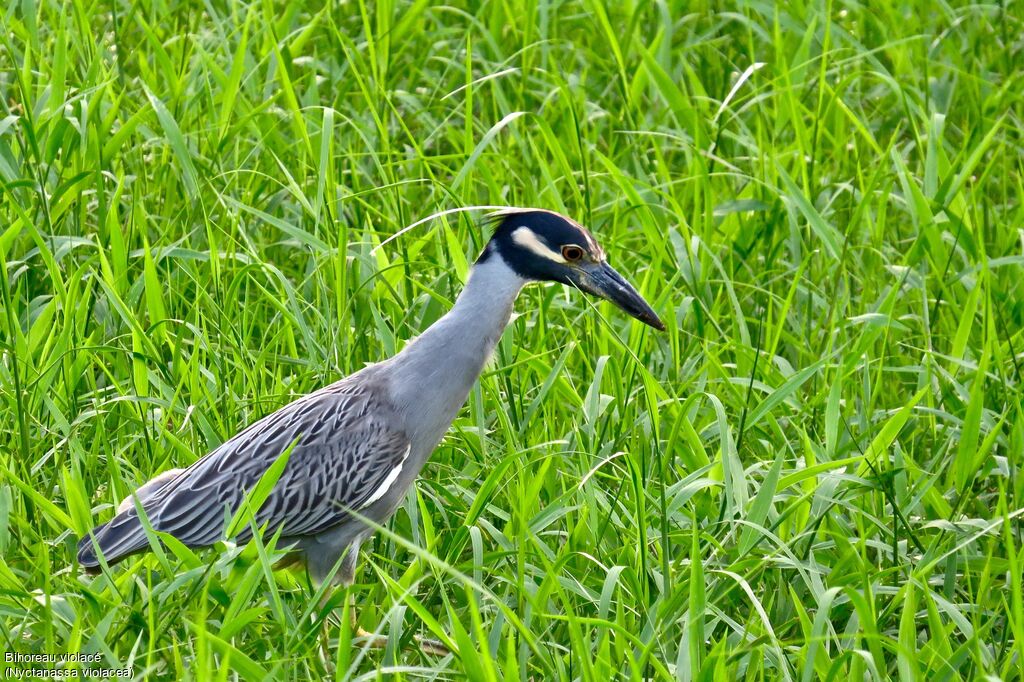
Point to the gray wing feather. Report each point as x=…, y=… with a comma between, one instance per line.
x=346, y=446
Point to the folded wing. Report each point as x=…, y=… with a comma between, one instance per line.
x=347, y=452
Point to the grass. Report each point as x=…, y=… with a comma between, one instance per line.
x=814, y=474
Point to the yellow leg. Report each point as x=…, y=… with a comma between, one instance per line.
x=372, y=640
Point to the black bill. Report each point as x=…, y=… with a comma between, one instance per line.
x=601, y=279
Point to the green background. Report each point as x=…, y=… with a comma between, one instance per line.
x=814, y=474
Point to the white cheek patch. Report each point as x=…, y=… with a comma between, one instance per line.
x=525, y=237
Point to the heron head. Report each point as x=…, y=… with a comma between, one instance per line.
x=544, y=246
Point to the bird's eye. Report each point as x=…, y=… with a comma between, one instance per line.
x=571, y=252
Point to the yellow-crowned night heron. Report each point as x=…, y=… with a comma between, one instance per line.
x=358, y=444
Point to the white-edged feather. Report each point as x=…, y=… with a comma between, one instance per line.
x=388, y=481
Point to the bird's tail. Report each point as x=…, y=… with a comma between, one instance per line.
x=122, y=536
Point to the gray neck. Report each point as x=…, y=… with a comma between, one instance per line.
x=432, y=376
